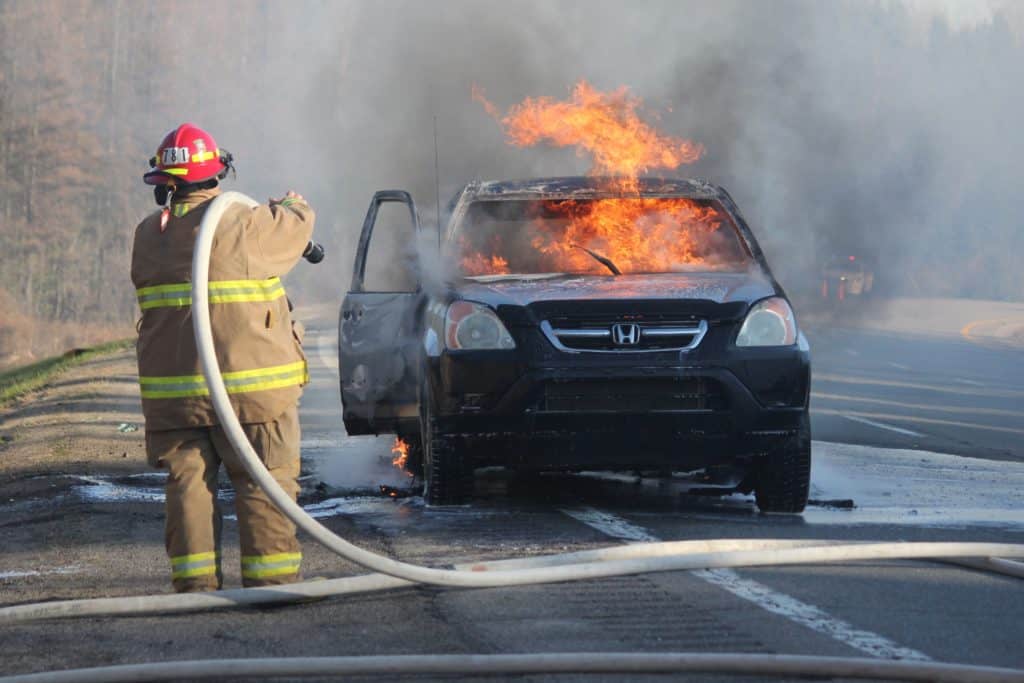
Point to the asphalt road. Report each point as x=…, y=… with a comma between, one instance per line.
x=940, y=393
x=104, y=537
x=880, y=390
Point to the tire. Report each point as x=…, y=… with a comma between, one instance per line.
x=784, y=475
x=447, y=467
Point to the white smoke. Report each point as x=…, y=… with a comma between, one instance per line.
x=889, y=129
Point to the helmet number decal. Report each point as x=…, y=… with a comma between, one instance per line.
x=175, y=155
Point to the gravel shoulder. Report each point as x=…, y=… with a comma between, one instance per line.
x=87, y=421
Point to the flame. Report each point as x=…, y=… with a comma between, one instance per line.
x=604, y=124
x=639, y=234
x=401, y=450
x=478, y=264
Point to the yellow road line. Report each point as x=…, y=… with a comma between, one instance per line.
x=967, y=332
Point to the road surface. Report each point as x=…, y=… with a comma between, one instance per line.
x=901, y=390
x=952, y=401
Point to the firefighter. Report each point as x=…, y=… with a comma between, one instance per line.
x=258, y=347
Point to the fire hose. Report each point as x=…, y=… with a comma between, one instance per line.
x=602, y=563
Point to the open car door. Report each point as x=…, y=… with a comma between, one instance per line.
x=378, y=344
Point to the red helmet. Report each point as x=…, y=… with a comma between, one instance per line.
x=187, y=155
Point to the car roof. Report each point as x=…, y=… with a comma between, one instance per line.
x=590, y=186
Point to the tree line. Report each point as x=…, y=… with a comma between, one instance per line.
x=87, y=88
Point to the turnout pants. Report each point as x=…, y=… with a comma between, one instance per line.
x=192, y=457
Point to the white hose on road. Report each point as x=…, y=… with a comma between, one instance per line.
x=700, y=552
x=623, y=663
x=607, y=562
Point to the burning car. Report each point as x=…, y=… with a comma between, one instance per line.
x=589, y=323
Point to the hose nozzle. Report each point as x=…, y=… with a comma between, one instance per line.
x=314, y=253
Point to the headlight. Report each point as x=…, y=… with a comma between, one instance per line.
x=475, y=326
x=769, y=323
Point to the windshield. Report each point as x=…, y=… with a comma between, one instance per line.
x=605, y=236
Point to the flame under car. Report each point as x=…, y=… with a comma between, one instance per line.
x=586, y=326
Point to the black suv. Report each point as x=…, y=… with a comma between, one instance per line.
x=536, y=367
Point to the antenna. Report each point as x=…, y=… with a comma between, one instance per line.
x=437, y=185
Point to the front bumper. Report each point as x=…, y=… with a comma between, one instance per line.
x=712, y=405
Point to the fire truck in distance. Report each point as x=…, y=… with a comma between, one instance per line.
x=846, y=276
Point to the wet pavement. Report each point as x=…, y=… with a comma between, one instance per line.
x=79, y=536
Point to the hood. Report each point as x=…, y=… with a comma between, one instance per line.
x=719, y=288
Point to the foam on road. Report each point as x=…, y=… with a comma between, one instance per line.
x=896, y=486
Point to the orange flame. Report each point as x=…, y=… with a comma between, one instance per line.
x=604, y=124
x=478, y=264
x=639, y=234
x=401, y=451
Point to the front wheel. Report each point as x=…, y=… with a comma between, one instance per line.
x=784, y=474
x=447, y=467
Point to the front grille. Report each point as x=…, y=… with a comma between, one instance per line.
x=633, y=395
x=623, y=333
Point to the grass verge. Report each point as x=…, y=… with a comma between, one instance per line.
x=19, y=381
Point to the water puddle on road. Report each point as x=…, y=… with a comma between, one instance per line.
x=916, y=488
x=24, y=573
x=113, y=490
x=850, y=485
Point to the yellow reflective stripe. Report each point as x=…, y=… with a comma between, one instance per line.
x=179, y=295
x=180, y=210
x=266, y=573
x=263, y=566
x=196, y=571
x=261, y=372
x=294, y=381
x=160, y=289
x=184, y=379
x=178, y=393
x=174, y=295
x=196, y=564
x=195, y=557
x=177, y=302
x=269, y=283
x=223, y=293
x=238, y=382
x=175, y=171
x=279, y=557
x=202, y=156
x=238, y=374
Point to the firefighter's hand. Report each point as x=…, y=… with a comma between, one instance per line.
x=289, y=195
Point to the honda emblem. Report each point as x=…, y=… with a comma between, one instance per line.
x=626, y=334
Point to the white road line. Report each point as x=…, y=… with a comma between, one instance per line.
x=880, y=425
x=761, y=595
x=808, y=615
x=969, y=381
x=898, y=366
x=611, y=525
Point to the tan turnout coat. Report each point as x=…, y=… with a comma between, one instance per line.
x=260, y=354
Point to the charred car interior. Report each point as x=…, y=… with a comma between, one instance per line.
x=586, y=323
